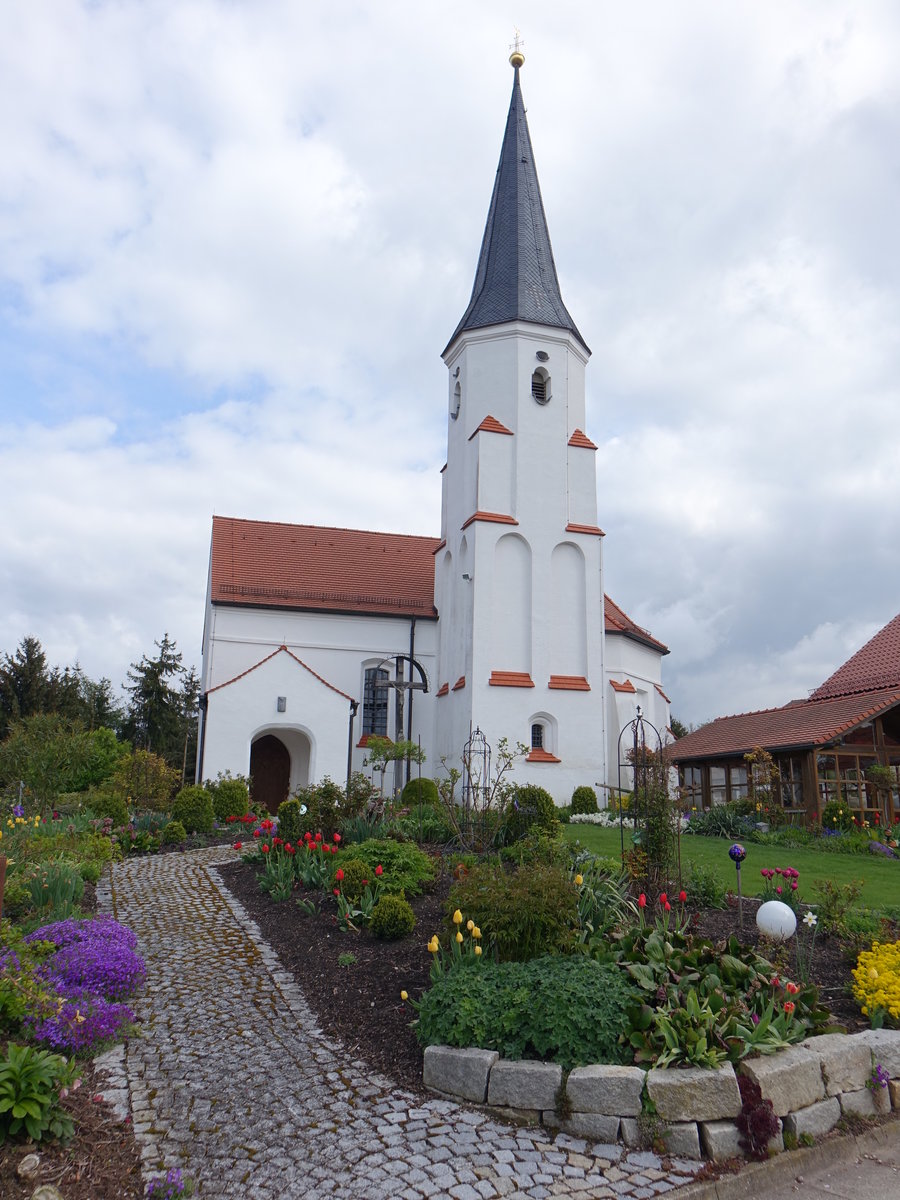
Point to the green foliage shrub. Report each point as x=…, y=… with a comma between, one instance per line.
x=529, y=806
x=419, y=791
x=90, y=871
x=405, y=867
x=357, y=875
x=17, y=900
x=522, y=914
x=146, y=780
x=426, y=823
x=173, y=834
x=360, y=792
x=392, y=917
x=30, y=1084
x=569, y=1010
x=704, y=889
x=56, y=888
x=193, y=807
x=835, y=902
x=230, y=797
x=837, y=815
x=584, y=800
x=321, y=802
x=725, y=820
x=104, y=752
x=108, y=804
x=290, y=821
x=537, y=845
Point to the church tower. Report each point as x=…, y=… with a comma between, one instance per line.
x=518, y=571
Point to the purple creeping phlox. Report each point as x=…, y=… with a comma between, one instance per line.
x=168, y=1188
x=879, y=1078
x=83, y=1020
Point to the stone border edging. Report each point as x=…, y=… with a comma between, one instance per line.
x=755, y=1179
x=811, y=1086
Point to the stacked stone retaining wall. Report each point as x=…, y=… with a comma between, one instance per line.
x=811, y=1087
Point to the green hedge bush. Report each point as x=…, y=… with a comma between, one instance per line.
x=193, y=807
x=392, y=917
x=108, y=804
x=419, y=791
x=523, y=914
x=405, y=867
x=290, y=821
x=529, y=806
x=570, y=1010
x=230, y=797
x=584, y=800
x=173, y=834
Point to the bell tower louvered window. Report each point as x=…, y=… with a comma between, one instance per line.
x=540, y=386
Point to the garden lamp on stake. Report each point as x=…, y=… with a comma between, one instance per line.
x=737, y=854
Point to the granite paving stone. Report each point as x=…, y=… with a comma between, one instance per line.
x=233, y=1081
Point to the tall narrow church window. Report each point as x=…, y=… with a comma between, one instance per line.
x=375, y=702
x=540, y=386
x=456, y=401
x=537, y=736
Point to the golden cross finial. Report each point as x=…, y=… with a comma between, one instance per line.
x=517, y=58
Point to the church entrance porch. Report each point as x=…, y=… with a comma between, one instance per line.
x=270, y=773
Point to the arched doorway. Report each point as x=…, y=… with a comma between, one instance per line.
x=270, y=772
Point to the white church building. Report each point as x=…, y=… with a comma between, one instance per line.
x=499, y=624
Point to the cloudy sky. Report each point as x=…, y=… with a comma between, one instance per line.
x=235, y=236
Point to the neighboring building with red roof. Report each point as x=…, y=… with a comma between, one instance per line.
x=824, y=746
x=316, y=639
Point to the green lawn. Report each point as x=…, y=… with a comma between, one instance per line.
x=881, y=876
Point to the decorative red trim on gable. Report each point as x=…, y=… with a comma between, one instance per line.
x=543, y=756
x=491, y=425
x=364, y=740
x=460, y=683
x=510, y=679
x=581, y=439
x=305, y=666
x=496, y=518
x=627, y=686
x=444, y=689
x=569, y=683
x=594, y=529
x=439, y=547
x=662, y=693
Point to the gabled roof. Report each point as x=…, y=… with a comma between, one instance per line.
x=516, y=276
x=618, y=621
x=876, y=665
x=809, y=723
x=271, y=565
x=268, y=564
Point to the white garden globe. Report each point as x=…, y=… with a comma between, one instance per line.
x=776, y=920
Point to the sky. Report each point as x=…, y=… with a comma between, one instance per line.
x=235, y=237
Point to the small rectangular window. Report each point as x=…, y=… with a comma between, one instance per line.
x=375, y=702
x=537, y=736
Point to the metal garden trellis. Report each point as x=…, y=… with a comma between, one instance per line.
x=642, y=757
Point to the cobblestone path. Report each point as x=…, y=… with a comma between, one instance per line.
x=233, y=1082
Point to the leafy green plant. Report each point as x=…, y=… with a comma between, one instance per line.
x=106, y=803
x=392, y=917
x=347, y=959
x=837, y=816
x=525, y=913
x=404, y=867
x=291, y=821
x=603, y=901
x=230, y=796
x=362, y=828
x=725, y=820
x=529, y=806
x=193, y=807
x=584, y=800
x=704, y=889
x=355, y=878
x=569, y=1010
x=173, y=834
x=146, y=780
x=835, y=902
x=56, y=888
x=420, y=792
x=31, y=1082
x=277, y=876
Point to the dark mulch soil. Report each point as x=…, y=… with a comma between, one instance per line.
x=360, y=1003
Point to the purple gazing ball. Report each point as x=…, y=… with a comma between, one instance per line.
x=737, y=854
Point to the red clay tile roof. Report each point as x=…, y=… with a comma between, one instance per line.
x=491, y=425
x=627, y=686
x=273, y=565
x=568, y=683
x=807, y=723
x=511, y=679
x=876, y=665
x=544, y=756
x=573, y=527
x=618, y=621
x=269, y=564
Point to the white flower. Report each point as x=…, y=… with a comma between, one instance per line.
x=810, y=919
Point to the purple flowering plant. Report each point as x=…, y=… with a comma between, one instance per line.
x=169, y=1187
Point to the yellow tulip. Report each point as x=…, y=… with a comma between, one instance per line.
x=476, y=932
x=477, y=951
x=459, y=936
x=404, y=995
x=457, y=918
x=434, y=945
x=579, y=880
x=470, y=925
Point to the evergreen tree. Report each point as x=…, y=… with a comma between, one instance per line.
x=25, y=686
x=163, y=705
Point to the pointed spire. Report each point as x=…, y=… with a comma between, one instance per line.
x=516, y=275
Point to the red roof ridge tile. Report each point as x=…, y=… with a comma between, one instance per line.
x=574, y=527
x=568, y=683
x=579, y=438
x=491, y=425
x=539, y=755
x=520, y=679
x=627, y=686
x=490, y=517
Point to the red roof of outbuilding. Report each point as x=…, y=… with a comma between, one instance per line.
x=808, y=723
x=876, y=665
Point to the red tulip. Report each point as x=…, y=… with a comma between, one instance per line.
x=682, y=897
x=237, y=845
x=265, y=848
x=667, y=906
x=379, y=870
x=318, y=837
x=789, y=1006
x=337, y=837
x=339, y=875
x=663, y=898
x=642, y=901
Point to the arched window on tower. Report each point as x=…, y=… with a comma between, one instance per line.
x=540, y=385
x=537, y=736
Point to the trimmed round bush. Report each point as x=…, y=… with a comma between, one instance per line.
x=173, y=834
x=392, y=917
x=289, y=821
x=193, y=808
x=356, y=875
x=565, y=1009
x=529, y=806
x=231, y=798
x=418, y=792
x=584, y=800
